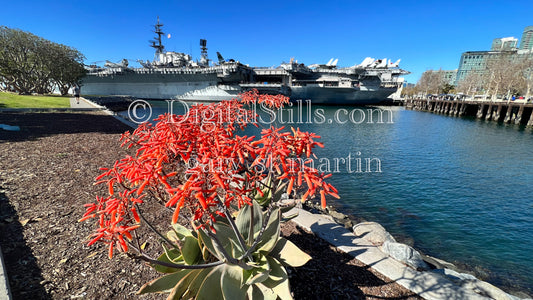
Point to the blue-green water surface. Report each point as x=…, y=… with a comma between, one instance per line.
x=460, y=189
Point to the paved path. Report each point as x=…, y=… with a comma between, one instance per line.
x=82, y=103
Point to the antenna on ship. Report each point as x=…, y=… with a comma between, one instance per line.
x=159, y=48
x=204, y=61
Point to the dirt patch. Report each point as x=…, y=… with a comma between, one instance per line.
x=47, y=170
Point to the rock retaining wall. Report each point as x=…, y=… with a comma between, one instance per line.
x=378, y=236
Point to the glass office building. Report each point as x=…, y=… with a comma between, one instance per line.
x=526, y=43
x=475, y=61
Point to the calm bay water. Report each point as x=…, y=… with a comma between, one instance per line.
x=460, y=189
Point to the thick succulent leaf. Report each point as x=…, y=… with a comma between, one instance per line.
x=278, y=280
x=163, y=283
x=196, y=282
x=205, y=252
x=271, y=234
x=279, y=191
x=244, y=218
x=211, y=288
x=221, y=219
x=283, y=291
x=170, y=256
x=206, y=240
x=228, y=239
x=231, y=283
x=267, y=192
x=260, y=292
x=259, y=273
x=289, y=254
x=236, y=249
x=255, y=276
x=183, y=285
x=190, y=250
x=173, y=237
x=181, y=231
x=277, y=275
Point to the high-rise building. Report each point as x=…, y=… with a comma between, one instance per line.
x=472, y=61
x=526, y=43
x=475, y=61
x=504, y=44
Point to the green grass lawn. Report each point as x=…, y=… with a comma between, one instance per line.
x=9, y=100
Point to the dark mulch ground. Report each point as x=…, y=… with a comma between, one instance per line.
x=46, y=175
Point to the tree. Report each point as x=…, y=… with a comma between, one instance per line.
x=527, y=72
x=17, y=54
x=431, y=82
x=409, y=91
x=31, y=64
x=67, y=68
x=502, y=74
x=447, y=88
x=471, y=83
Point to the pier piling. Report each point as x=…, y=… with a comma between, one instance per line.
x=479, y=114
x=509, y=115
x=489, y=112
x=499, y=111
x=518, y=117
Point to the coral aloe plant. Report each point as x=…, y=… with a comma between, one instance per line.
x=228, y=187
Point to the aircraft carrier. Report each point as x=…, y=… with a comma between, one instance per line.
x=173, y=75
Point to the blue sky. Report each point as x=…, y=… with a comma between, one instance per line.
x=424, y=34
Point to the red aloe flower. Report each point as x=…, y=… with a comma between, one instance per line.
x=197, y=162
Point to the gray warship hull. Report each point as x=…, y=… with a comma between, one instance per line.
x=175, y=75
x=224, y=83
x=163, y=88
x=206, y=84
x=341, y=96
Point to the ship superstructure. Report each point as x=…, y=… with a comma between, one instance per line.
x=370, y=82
x=169, y=76
x=173, y=75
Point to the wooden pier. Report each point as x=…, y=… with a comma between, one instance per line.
x=510, y=112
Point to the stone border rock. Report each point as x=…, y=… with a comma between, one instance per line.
x=429, y=284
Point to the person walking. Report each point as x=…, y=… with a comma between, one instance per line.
x=77, y=93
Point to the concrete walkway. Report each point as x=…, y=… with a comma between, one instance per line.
x=82, y=103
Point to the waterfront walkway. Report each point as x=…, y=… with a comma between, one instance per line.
x=82, y=104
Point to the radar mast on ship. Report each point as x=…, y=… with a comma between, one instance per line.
x=157, y=44
x=204, y=61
